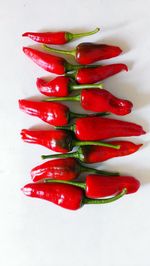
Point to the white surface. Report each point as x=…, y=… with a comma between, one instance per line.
x=35, y=232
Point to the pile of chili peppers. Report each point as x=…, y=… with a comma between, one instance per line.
x=56, y=180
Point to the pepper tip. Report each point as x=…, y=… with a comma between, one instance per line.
x=125, y=68
x=26, y=190
x=25, y=34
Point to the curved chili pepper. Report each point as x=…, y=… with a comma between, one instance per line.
x=64, y=195
x=96, y=154
x=57, y=140
x=104, y=128
x=62, y=86
x=60, y=37
x=98, y=186
x=99, y=101
x=55, y=114
x=88, y=53
x=50, y=63
x=63, y=169
x=95, y=74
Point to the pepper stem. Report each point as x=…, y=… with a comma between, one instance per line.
x=98, y=143
x=60, y=155
x=77, y=184
x=76, y=115
x=96, y=171
x=88, y=33
x=103, y=201
x=69, y=98
x=85, y=86
x=58, y=51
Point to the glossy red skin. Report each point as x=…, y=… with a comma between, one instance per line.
x=48, y=62
x=48, y=37
x=87, y=53
x=61, y=169
x=95, y=74
x=96, y=154
x=97, y=100
x=55, y=140
x=63, y=195
x=55, y=114
x=98, y=186
x=58, y=87
x=98, y=128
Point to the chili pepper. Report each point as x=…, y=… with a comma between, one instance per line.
x=95, y=74
x=63, y=169
x=62, y=86
x=98, y=128
x=99, y=101
x=50, y=63
x=57, y=140
x=87, y=53
x=96, y=154
x=98, y=186
x=60, y=37
x=64, y=195
x=55, y=114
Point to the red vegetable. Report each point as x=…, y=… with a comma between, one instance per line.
x=62, y=86
x=64, y=195
x=57, y=140
x=104, y=128
x=63, y=169
x=98, y=186
x=55, y=114
x=99, y=101
x=50, y=63
x=103, y=186
x=95, y=154
x=87, y=53
x=60, y=37
x=95, y=74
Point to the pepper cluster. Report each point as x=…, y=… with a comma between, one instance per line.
x=54, y=179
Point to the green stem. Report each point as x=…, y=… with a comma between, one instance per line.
x=68, y=127
x=75, y=115
x=58, y=51
x=71, y=75
x=85, y=86
x=78, y=35
x=73, y=68
x=103, y=201
x=69, y=98
x=77, y=184
x=96, y=171
x=60, y=155
x=98, y=143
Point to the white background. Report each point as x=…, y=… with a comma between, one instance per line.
x=35, y=232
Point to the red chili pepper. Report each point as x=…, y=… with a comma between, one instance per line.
x=99, y=101
x=57, y=140
x=60, y=37
x=88, y=53
x=96, y=154
x=104, y=128
x=63, y=169
x=64, y=195
x=62, y=86
x=98, y=186
x=103, y=186
x=55, y=114
x=50, y=63
x=95, y=74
